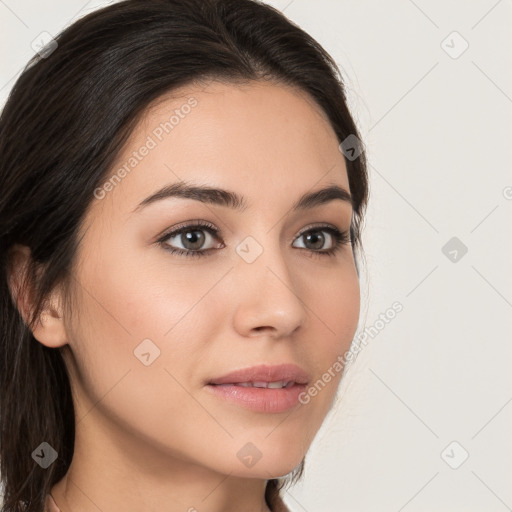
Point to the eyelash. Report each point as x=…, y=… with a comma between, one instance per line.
x=340, y=238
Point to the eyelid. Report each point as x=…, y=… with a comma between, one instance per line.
x=204, y=224
x=188, y=225
x=317, y=226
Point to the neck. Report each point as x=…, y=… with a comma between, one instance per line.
x=119, y=474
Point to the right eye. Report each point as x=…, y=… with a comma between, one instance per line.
x=192, y=237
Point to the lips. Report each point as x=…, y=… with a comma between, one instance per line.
x=263, y=389
x=264, y=376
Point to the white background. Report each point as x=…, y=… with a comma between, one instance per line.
x=438, y=133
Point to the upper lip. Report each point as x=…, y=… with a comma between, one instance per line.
x=264, y=373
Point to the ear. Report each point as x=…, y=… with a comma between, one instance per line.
x=49, y=326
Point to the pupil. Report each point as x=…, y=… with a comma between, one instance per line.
x=192, y=239
x=317, y=238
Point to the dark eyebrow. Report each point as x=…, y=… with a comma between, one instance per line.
x=221, y=197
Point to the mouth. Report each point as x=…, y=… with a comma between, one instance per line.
x=263, y=388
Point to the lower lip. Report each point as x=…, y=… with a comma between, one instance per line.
x=269, y=400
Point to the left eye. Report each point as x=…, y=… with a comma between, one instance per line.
x=316, y=239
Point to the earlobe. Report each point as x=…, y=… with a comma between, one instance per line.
x=48, y=329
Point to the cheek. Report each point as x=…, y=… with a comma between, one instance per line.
x=335, y=309
x=343, y=309
x=138, y=303
x=120, y=307
x=150, y=296
x=333, y=301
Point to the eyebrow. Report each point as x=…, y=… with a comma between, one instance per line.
x=221, y=197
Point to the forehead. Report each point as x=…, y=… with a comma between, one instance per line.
x=264, y=140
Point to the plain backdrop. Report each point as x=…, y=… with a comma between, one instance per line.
x=424, y=416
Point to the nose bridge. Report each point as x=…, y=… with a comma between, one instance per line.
x=269, y=296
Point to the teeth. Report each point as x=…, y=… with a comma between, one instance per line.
x=278, y=384
x=261, y=384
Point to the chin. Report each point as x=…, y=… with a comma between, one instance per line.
x=270, y=460
x=268, y=470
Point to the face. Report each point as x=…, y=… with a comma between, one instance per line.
x=177, y=292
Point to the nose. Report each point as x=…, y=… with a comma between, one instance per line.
x=269, y=301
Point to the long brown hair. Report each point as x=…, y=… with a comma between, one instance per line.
x=66, y=118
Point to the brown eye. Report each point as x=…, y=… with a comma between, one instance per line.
x=192, y=240
x=196, y=239
x=316, y=239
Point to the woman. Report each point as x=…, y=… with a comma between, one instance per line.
x=182, y=193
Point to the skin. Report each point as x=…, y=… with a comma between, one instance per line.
x=168, y=444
